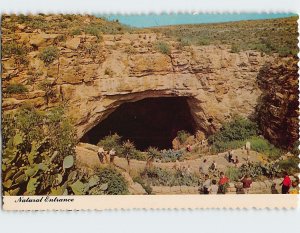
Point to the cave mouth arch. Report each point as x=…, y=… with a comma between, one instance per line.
x=148, y=122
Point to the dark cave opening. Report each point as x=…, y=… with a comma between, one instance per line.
x=148, y=122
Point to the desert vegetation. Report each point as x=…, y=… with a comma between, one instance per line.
x=268, y=36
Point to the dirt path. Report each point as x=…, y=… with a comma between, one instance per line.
x=86, y=156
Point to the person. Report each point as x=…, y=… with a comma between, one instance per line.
x=247, y=181
x=206, y=185
x=101, y=154
x=214, y=187
x=236, y=162
x=203, y=169
x=294, y=189
x=286, y=184
x=230, y=156
x=248, y=147
x=222, y=183
x=112, y=154
x=213, y=166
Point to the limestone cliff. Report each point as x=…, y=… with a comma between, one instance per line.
x=278, y=111
x=94, y=76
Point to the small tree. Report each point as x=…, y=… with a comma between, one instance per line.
x=128, y=151
x=153, y=153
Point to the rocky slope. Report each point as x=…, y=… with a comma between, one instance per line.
x=92, y=76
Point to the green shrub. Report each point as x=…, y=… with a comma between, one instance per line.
x=220, y=146
x=182, y=136
x=184, y=42
x=290, y=165
x=262, y=145
x=295, y=150
x=76, y=31
x=129, y=151
x=12, y=48
x=158, y=176
x=233, y=173
x=49, y=54
x=252, y=169
x=111, y=141
x=170, y=155
x=153, y=153
x=117, y=185
x=93, y=30
x=138, y=155
x=163, y=47
x=239, y=129
x=203, y=41
x=145, y=186
x=15, y=88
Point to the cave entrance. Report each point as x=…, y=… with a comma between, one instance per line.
x=148, y=122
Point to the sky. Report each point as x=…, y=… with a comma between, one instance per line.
x=153, y=20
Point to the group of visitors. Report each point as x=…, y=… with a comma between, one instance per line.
x=108, y=156
x=211, y=186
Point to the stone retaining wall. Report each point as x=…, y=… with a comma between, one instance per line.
x=259, y=187
x=174, y=190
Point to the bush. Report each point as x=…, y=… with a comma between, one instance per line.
x=219, y=146
x=76, y=31
x=163, y=47
x=117, y=185
x=233, y=173
x=261, y=145
x=15, y=89
x=252, y=169
x=182, y=136
x=49, y=54
x=13, y=48
x=19, y=52
x=145, y=186
x=93, y=30
x=153, y=153
x=290, y=165
x=170, y=155
x=111, y=141
x=158, y=176
x=233, y=134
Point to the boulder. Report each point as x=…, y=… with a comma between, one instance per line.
x=73, y=43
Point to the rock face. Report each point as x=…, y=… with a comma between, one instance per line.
x=94, y=77
x=278, y=110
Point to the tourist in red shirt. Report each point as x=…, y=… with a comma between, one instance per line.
x=286, y=184
x=222, y=183
x=247, y=181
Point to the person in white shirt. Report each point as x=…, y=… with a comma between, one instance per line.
x=206, y=185
x=203, y=169
x=112, y=154
x=101, y=154
x=248, y=147
x=214, y=187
